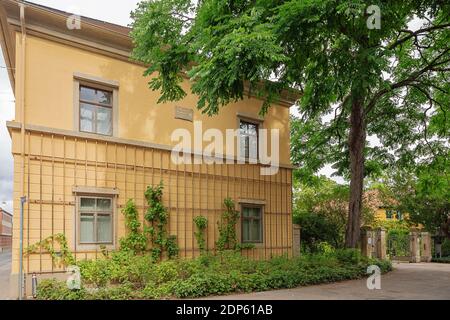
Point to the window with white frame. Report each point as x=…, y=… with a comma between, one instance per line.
x=248, y=134
x=96, y=220
x=96, y=110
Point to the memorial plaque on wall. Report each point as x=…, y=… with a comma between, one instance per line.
x=184, y=114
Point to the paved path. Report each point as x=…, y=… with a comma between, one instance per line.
x=5, y=270
x=407, y=281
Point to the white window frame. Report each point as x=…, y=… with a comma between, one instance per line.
x=101, y=84
x=95, y=213
x=92, y=192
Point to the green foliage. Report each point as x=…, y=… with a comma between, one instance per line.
x=121, y=267
x=135, y=277
x=227, y=227
x=446, y=247
x=398, y=243
x=200, y=223
x=158, y=216
x=441, y=260
x=62, y=257
x=424, y=193
x=394, y=81
x=400, y=225
x=321, y=209
x=53, y=289
x=135, y=241
x=349, y=256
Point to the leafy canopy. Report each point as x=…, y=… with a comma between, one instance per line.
x=323, y=48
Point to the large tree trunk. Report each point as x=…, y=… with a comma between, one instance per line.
x=356, y=142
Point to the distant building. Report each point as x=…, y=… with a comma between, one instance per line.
x=387, y=213
x=5, y=230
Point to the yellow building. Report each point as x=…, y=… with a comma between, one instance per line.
x=389, y=214
x=88, y=135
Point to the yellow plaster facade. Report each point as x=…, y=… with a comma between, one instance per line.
x=56, y=161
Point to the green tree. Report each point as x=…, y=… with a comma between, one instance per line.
x=389, y=81
x=320, y=207
x=424, y=193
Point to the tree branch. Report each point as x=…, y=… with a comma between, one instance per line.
x=415, y=34
x=413, y=77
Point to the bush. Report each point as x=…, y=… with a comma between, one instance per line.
x=446, y=248
x=52, y=289
x=135, y=277
x=441, y=260
x=349, y=256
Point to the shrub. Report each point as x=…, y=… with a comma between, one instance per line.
x=134, y=277
x=349, y=256
x=446, y=247
x=52, y=289
x=441, y=260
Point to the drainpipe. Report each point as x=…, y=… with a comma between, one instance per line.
x=21, y=277
x=22, y=132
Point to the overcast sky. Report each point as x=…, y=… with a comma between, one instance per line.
x=112, y=11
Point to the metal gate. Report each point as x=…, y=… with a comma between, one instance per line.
x=398, y=246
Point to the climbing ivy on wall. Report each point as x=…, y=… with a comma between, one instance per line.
x=201, y=223
x=135, y=241
x=61, y=257
x=158, y=218
x=227, y=227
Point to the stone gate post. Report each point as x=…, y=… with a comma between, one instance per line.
x=426, y=247
x=367, y=241
x=414, y=245
x=381, y=243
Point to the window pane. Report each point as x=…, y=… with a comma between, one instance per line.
x=256, y=230
x=255, y=212
x=252, y=129
x=253, y=147
x=103, y=204
x=246, y=230
x=87, y=117
x=87, y=229
x=242, y=147
x=104, y=228
x=104, y=120
x=87, y=203
x=248, y=140
x=246, y=212
x=95, y=95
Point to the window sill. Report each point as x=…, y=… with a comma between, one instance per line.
x=257, y=245
x=95, y=247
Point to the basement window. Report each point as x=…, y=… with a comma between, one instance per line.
x=96, y=110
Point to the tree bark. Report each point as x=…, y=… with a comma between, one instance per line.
x=356, y=144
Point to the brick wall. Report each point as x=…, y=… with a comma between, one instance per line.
x=5, y=242
x=5, y=230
